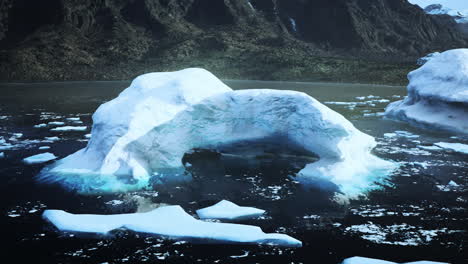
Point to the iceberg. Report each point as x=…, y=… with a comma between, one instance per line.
x=226, y=210
x=39, y=158
x=2, y=155
x=151, y=125
x=171, y=222
x=362, y=260
x=437, y=94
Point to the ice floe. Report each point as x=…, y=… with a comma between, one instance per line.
x=39, y=158
x=170, y=221
x=363, y=260
x=40, y=125
x=162, y=116
x=56, y=123
x=2, y=155
x=70, y=128
x=437, y=94
x=226, y=210
x=457, y=147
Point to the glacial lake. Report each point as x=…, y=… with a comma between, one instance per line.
x=418, y=215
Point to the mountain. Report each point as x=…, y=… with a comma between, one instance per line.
x=460, y=16
x=337, y=40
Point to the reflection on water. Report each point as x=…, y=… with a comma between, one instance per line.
x=419, y=216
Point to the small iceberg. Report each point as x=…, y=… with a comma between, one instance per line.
x=40, y=158
x=70, y=128
x=171, y=222
x=2, y=155
x=437, y=94
x=151, y=125
x=457, y=147
x=226, y=210
x=40, y=125
x=56, y=123
x=362, y=260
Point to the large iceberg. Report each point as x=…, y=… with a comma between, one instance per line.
x=170, y=221
x=149, y=128
x=437, y=94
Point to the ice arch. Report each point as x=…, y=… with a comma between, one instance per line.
x=158, y=133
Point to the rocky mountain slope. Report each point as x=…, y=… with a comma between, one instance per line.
x=336, y=40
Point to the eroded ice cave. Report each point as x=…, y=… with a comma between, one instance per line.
x=151, y=125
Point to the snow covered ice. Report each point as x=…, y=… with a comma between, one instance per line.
x=40, y=158
x=362, y=260
x=170, y=221
x=70, y=128
x=162, y=116
x=437, y=94
x=457, y=147
x=226, y=210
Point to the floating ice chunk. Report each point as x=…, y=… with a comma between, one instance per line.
x=161, y=116
x=170, y=221
x=226, y=210
x=70, y=128
x=406, y=134
x=56, y=123
x=40, y=158
x=437, y=94
x=2, y=155
x=390, y=135
x=362, y=260
x=52, y=138
x=17, y=135
x=40, y=125
x=429, y=147
x=44, y=147
x=457, y=147
x=73, y=119
x=87, y=136
x=453, y=184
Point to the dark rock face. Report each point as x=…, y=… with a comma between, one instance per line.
x=117, y=39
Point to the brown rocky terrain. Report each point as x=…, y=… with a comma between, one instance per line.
x=373, y=41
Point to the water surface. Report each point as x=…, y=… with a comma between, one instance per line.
x=417, y=216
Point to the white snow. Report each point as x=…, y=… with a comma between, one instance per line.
x=293, y=24
x=170, y=221
x=70, y=128
x=459, y=15
x=162, y=116
x=457, y=147
x=437, y=94
x=40, y=158
x=362, y=260
x=226, y=210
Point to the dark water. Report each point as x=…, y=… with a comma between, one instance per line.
x=417, y=216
